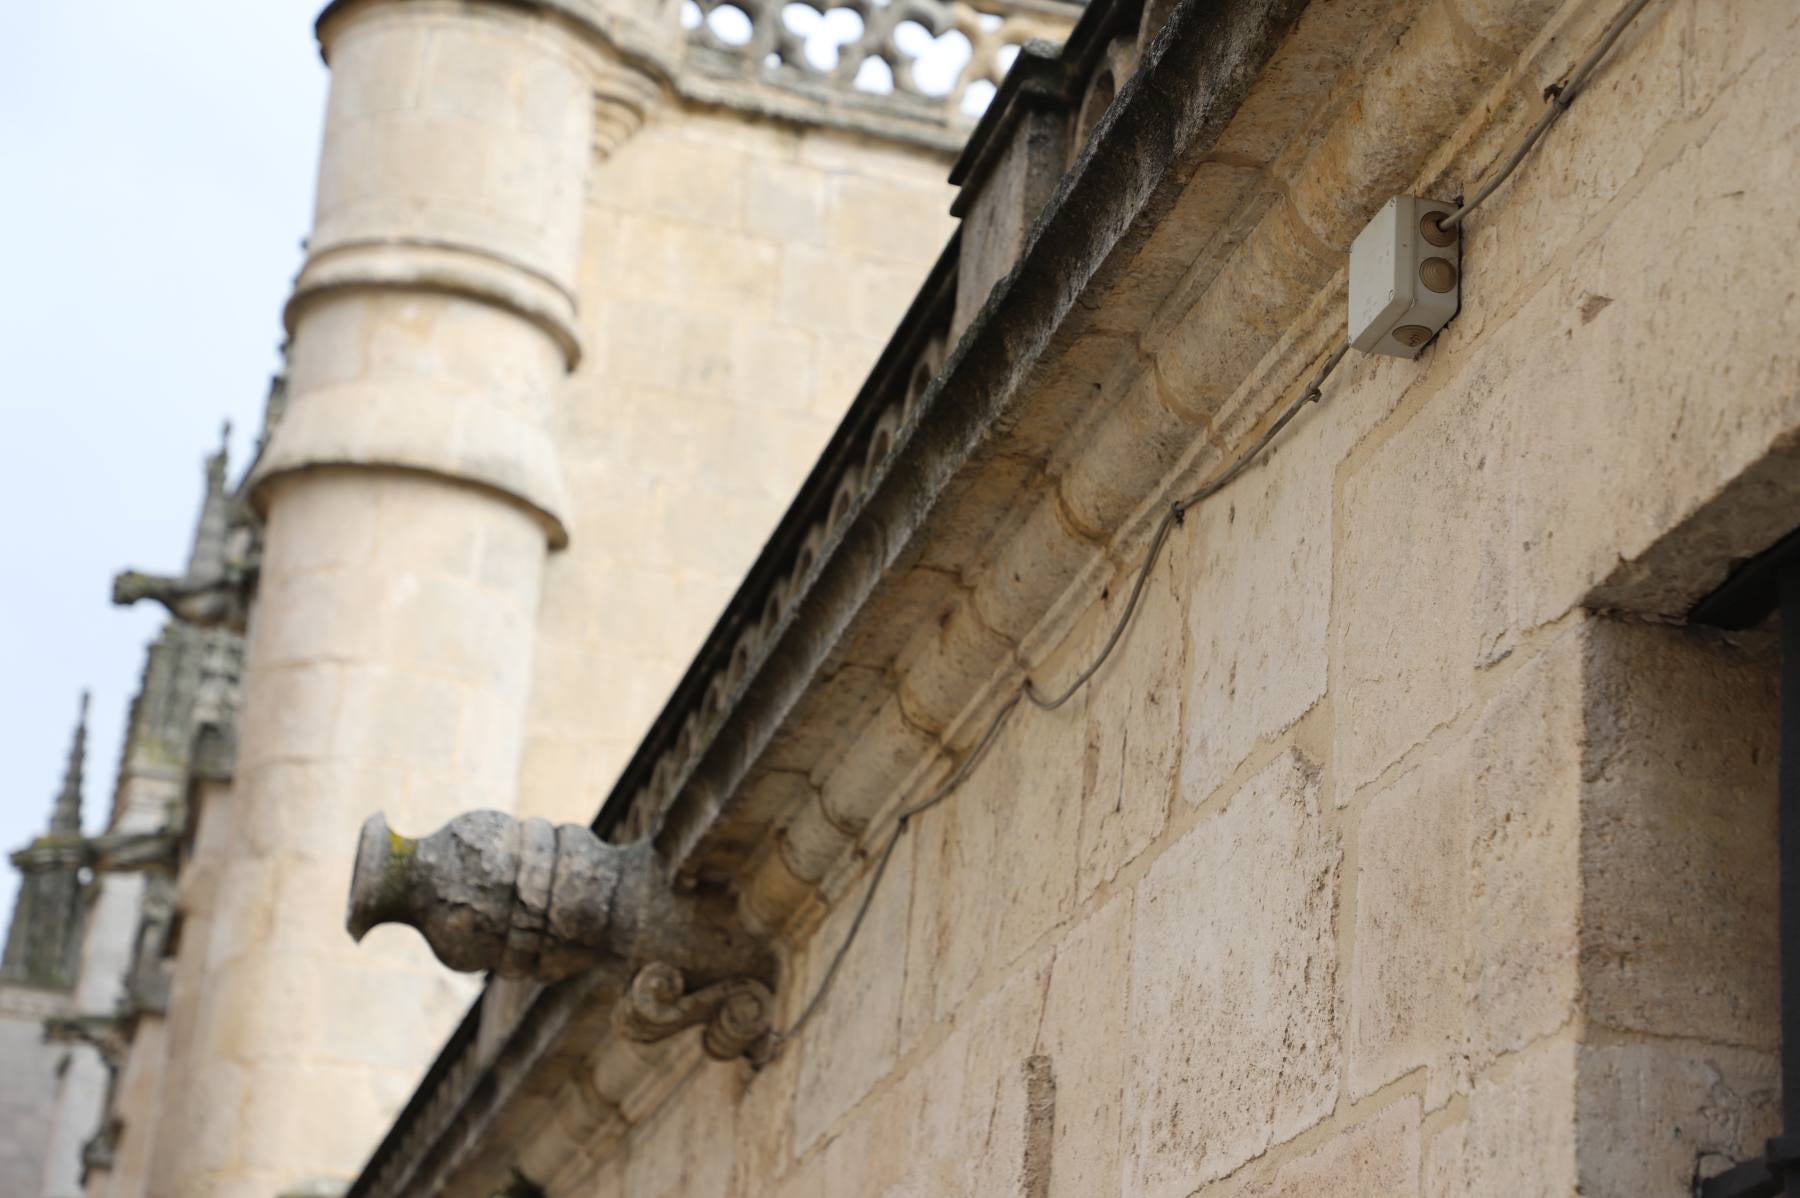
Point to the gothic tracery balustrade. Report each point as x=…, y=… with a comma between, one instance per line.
x=936, y=60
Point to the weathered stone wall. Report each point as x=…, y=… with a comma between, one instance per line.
x=1379, y=861
x=28, y=1077
x=738, y=279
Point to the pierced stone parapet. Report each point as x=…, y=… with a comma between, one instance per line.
x=528, y=900
x=872, y=73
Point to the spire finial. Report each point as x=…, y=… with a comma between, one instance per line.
x=65, y=817
x=216, y=463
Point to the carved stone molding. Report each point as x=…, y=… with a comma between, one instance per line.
x=623, y=97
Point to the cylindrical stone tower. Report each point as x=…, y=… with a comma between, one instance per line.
x=411, y=493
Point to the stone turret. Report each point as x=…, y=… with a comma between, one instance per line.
x=410, y=498
x=44, y=943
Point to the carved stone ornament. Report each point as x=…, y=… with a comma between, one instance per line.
x=528, y=900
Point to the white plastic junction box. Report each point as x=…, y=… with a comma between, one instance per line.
x=1405, y=277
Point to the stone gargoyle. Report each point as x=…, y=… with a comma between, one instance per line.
x=203, y=602
x=222, y=572
x=526, y=899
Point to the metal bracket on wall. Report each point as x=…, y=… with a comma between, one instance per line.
x=1761, y=586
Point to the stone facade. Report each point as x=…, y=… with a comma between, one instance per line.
x=1413, y=841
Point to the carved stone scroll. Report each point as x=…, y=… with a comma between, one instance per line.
x=656, y=1006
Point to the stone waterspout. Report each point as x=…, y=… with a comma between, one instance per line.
x=525, y=899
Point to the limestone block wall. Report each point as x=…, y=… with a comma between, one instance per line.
x=1380, y=861
x=738, y=278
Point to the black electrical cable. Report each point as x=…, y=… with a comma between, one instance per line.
x=1170, y=519
x=1560, y=97
x=944, y=791
x=1028, y=689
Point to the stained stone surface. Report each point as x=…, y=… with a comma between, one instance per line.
x=1234, y=941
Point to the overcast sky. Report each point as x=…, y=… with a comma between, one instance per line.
x=156, y=176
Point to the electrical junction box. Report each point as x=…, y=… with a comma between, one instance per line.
x=1405, y=277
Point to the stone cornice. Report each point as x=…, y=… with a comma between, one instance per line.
x=33, y=1003
x=914, y=428
x=643, y=38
